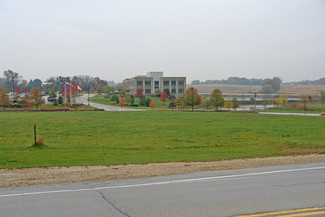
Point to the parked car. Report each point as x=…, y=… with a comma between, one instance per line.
x=52, y=99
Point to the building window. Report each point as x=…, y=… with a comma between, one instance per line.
x=147, y=91
x=174, y=91
x=166, y=90
x=166, y=83
x=180, y=83
x=156, y=84
x=147, y=83
x=173, y=83
x=180, y=90
x=139, y=83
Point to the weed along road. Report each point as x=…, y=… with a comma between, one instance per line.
x=296, y=190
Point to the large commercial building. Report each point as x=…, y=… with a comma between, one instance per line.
x=154, y=80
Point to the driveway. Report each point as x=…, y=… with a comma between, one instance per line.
x=84, y=99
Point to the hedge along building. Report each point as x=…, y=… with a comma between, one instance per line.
x=154, y=80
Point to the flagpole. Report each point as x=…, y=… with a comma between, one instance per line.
x=65, y=94
x=70, y=93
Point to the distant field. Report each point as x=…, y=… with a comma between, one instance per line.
x=109, y=138
x=226, y=88
x=289, y=89
x=302, y=89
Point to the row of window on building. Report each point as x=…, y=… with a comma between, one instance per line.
x=165, y=83
x=173, y=91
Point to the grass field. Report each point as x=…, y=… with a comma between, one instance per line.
x=108, y=138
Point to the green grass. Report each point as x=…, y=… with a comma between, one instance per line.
x=108, y=138
x=158, y=103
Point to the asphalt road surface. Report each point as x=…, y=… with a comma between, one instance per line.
x=287, y=113
x=280, y=190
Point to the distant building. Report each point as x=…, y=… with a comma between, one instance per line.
x=154, y=80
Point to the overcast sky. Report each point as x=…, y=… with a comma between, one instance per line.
x=199, y=39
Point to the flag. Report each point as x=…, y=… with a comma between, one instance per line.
x=66, y=87
x=68, y=83
x=79, y=88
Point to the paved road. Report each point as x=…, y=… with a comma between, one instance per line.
x=217, y=193
x=84, y=99
x=280, y=113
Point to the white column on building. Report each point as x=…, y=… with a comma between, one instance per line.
x=143, y=87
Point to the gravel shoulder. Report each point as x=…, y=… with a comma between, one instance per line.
x=10, y=178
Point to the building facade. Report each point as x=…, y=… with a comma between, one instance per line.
x=154, y=80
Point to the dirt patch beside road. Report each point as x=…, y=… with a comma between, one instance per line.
x=63, y=175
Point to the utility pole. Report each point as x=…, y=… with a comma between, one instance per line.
x=305, y=101
x=255, y=101
x=88, y=92
x=65, y=94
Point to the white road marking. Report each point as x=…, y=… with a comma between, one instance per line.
x=163, y=183
x=7, y=174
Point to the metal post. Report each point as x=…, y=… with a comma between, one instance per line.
x=255, y=100
x=35, y=134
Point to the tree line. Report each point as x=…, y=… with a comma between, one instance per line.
x=235, y=81
x=191, y=98
x=13, y=81
x=320, y=81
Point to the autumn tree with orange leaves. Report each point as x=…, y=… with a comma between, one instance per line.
x=152, y=104
x=36, y=97
x=216, y=98
x=192, y=97
x=122, y=103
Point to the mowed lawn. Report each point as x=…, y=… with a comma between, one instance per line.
x=108, y=138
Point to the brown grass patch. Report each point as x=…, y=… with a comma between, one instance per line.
x=301, y=89
x=303, y=151
x=68, y=109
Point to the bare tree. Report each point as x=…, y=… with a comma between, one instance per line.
x=88, y=80
x=12, y=78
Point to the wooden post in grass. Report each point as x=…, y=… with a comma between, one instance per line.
x=305, y=107
x=35, y=134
